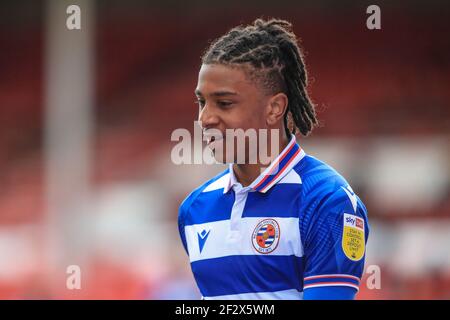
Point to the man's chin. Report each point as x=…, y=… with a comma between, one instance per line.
x=222, y=158
x=219, y=157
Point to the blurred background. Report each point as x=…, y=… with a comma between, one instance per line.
x=86, y=116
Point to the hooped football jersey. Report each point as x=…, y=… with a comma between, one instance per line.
x=299, y=225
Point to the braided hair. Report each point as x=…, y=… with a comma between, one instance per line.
x=269, y=52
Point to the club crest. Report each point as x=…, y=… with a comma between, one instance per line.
x=266, y=235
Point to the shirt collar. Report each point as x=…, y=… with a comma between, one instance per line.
x=277, y=169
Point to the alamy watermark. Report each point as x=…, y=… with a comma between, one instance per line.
x=373, y=281
x=250, y=146
x=73, y=21
x=73, y=281
x=373, y=21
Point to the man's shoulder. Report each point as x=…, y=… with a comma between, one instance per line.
x=326, y=194
x=324, y=186
x=319, y=177
x=216, y=182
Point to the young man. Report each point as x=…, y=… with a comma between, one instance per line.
x=293, y=230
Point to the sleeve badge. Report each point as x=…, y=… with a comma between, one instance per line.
x=353, y=240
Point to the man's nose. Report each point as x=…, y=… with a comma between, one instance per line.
x=207, y=117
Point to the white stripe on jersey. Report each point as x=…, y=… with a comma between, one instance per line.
x=218, y=184
x=291, y=294
x=221, y=242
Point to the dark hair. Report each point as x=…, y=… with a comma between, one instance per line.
x=271, y=51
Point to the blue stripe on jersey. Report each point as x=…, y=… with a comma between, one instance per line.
x=262, y=204
x=248, y=273
x=210, y=206
x=329, y=293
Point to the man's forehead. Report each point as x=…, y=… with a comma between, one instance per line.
x=217, y=78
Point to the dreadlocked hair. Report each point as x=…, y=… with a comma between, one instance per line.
x=271, y=55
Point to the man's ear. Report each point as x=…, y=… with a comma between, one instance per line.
x=276, y=107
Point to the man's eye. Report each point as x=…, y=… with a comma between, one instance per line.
x=224, y=104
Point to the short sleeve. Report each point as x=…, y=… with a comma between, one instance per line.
x=181, y=224
x=334, y=239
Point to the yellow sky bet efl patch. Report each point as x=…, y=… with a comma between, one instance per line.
x=353, y=242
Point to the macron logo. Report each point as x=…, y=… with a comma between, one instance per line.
x=202, y=239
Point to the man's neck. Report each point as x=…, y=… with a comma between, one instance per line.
x=247, y=173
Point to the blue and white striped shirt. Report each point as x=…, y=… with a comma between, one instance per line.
x=298, y=226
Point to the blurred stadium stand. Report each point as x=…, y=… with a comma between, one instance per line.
x=383, y=99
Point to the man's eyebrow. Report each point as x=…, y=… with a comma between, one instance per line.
x=217, y=93
x=223, y=93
